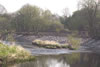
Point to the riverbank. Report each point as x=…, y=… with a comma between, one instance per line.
x=92, y=44
x=14, y=54
x=86, y=43
x=26, y=42
x=48, y=41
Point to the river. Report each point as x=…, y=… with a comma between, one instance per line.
x=58, y=57
x=63, y=60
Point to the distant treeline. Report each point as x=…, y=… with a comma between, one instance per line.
x=34, y=19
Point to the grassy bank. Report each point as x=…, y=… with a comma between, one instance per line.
x=14, y=54
x=72, y=43
x=49, y=44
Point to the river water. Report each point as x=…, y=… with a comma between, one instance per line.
x=59, y=58
x=64, y=60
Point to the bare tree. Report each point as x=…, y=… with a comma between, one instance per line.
x=2, y=9
x=66, y=12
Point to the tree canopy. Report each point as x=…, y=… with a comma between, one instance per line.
x=34, y=19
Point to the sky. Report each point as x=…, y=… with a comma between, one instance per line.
x=55, y=6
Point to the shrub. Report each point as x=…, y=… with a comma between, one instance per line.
x=74, y=42
x=14, y=53
x=10, y=38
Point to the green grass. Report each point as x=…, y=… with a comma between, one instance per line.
x=14, y=53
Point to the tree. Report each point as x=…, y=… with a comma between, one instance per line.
x=91, y=10
x=2, y=9
x=26, y=18
x=5, y=25
x=34, y=19
x=64, y=19
x=77, y=21
x=66, y=12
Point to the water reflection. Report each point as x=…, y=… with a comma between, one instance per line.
x=56, y=63
x=71, y=60
x=45, y=61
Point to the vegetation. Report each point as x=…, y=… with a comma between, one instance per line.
x=12, y=54
x=85, y=21
x=91, y=8
x=74, y=42
x=10, y=38
x=34, y=19
x=49, y=44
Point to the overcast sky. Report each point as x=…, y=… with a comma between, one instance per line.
x=55, y=6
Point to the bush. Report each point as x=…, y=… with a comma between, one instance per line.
x=74, y=42
x=13, y=53
x=10, y=38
